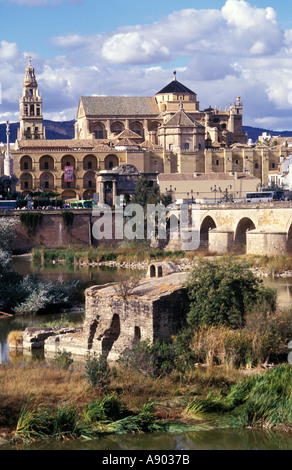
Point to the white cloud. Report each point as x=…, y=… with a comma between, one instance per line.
x=134, y=48
x=238, y=50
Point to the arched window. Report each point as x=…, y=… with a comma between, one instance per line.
x=117, y=128
x=110, y=162
x=26, y=163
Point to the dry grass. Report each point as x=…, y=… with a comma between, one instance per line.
x=49, y=385
x=53, y=387
x=15, y=338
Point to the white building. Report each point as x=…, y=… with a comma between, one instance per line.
x=283, y=175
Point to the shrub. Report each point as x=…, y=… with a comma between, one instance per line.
x=125, y=286
x=222, y=293
x=63, y=359
x=97, y=372
x=153, y=360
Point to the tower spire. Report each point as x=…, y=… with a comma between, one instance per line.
x=31, y=115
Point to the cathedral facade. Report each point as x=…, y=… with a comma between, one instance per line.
x=163, y=134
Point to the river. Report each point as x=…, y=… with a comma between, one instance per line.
x=220, y=439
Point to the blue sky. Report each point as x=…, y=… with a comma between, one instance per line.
x=220, y=49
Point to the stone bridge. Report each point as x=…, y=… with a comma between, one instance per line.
x=251, y=228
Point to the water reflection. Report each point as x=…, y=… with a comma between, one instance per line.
x=103, y=275
x=217, y=439
x=222, y=439
x=284, y=288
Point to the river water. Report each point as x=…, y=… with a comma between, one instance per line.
x=221, y=439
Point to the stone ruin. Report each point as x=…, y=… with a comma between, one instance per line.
x=155, y=309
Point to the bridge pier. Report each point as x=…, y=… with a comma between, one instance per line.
x=270, y=242
x=220, y=240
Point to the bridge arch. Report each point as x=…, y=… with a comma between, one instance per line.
x=244, y=225
x=207, y=224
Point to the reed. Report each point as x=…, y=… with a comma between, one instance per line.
x=263, y=400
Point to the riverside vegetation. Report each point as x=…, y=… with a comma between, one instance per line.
x=211, y=375
x=198, y=382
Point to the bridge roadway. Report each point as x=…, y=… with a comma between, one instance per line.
x=253, y=228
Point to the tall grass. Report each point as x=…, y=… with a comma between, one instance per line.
x=76, y=254
x=259, y=401
x=34, y=424
x=104, y=417
x=264, y=338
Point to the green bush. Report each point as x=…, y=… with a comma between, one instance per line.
x=63, y=359
x=153, y=360
x=222, y=293
x=97, y=372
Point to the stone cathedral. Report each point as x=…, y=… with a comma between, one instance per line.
x=119, y=138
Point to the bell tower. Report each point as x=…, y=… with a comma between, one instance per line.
x=31, y=113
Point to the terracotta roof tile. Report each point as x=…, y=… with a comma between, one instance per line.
x=119, y=106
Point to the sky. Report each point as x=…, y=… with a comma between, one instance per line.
x=220, y=49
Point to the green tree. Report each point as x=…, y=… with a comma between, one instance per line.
x=6, y=184
x=148, y=193
x=223, y=293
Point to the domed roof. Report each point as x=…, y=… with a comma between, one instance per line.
x=175, y=87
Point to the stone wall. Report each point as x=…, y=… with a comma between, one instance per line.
x=53, y=232
x=156, y=309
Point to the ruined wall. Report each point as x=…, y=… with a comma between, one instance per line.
x=155, y=310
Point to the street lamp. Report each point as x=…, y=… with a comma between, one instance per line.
x=215, y=191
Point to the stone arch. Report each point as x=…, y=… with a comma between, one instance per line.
x=137, y=127
x=111, y=335
x=68, y=160
x=90, y=162
x=117, y=127
x=207, y=225
x=46, y=163
x=243, y=226
x=26, y=182
x=98, y=130
x=88, y=194
x=25, y=163
x=110, y=162
x=152, y=271
x=47, y=181
x=89, y=180
x=159, y=271
x=68, y=184
x=69, y=194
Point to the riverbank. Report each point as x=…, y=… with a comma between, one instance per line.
x=135, y=403
x=141, y=257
